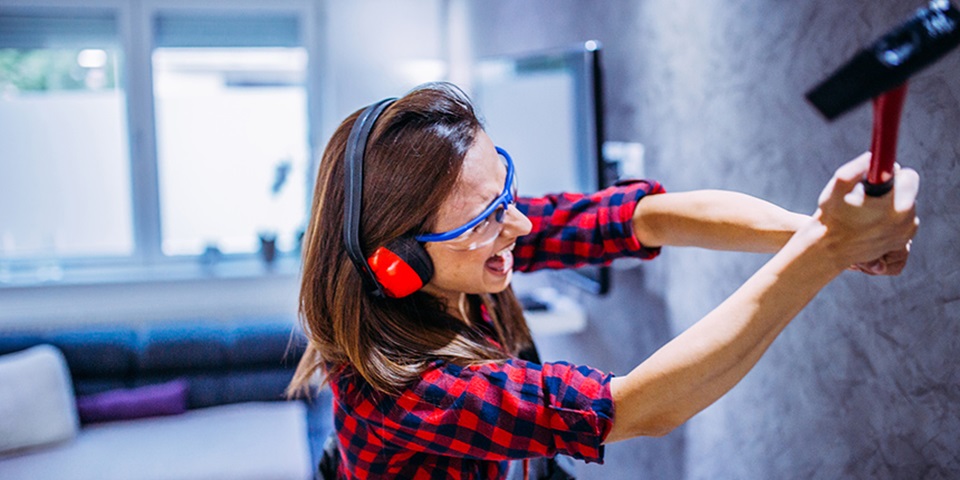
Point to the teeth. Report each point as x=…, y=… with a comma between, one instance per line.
x=505, y=250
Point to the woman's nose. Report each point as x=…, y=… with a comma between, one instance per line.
x=515, y=223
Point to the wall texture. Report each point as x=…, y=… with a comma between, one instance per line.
x=865, y=383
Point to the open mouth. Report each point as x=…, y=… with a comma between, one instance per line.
x=501, y=262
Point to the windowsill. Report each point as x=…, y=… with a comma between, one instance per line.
x=161, y=273
x=177, y=291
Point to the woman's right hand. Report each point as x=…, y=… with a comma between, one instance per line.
x=863, y=230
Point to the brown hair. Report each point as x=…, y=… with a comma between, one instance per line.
x=413, y=159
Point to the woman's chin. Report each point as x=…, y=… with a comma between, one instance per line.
x=498, y=281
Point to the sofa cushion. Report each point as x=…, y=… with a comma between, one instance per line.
x=225, y=361
x=187, y=345
x=98, y=352
x=273, y=343
x=168, y=398
x=36, y=402
x=240, y=441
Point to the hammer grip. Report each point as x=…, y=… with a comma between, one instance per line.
x=887, y=108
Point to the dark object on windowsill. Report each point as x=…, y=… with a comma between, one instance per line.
x=268, y=249
x=210, y=256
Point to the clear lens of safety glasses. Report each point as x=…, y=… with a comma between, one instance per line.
x=481, y=235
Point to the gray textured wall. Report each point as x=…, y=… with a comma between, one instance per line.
x=865, y=383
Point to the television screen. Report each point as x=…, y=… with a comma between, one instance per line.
x=546, y=109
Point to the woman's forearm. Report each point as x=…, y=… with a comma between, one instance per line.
x=715, y=219
x=703, y=363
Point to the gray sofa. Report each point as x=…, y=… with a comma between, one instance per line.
x=229, y=375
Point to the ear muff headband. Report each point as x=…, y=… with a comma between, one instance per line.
x=353, y=176
x=399, y=268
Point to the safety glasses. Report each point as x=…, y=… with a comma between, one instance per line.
x=485, y=227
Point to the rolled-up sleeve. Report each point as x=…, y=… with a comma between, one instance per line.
x=499, y=411
x=573, y=230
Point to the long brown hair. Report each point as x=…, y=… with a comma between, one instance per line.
x=413, y=159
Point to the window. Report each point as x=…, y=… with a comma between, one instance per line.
x=146, y=133
x=231, y=124
x=63, y=140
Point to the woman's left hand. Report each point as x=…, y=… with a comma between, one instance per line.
x=891, y=263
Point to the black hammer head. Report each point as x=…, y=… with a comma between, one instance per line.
x=890, y=61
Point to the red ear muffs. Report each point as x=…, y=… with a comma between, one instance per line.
x=401, y=267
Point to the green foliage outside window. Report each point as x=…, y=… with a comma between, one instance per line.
x=47, y=70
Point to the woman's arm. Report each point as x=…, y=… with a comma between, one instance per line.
x=723, y=220
x=715, y=219
x=704, y=362
x=571, y=230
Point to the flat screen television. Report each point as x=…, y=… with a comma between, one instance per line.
x=546, y=109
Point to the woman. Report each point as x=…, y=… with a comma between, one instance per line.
x=433, y=378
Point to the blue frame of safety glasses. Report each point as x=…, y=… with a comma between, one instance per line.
x=506, y=198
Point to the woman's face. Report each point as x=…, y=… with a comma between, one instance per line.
x=486, y=269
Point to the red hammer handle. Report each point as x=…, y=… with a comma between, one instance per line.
x=886, y=123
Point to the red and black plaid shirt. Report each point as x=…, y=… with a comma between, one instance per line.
x=468, y=422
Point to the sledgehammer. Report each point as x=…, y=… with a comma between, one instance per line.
x=880, y=72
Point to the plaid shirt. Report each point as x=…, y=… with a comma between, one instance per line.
x=468, y=422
